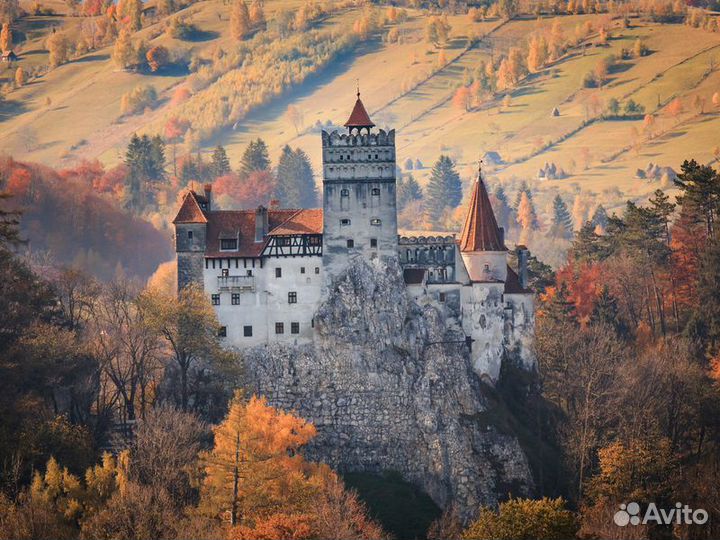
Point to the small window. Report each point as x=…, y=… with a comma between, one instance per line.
x=215, y=299
x=278, y=272
x=225, y=272
x=284, y=241
x=344, y=192
x=292, y=297
x=315, y=241
x=249, y=273
x=376, y=191
x=279, y=328
x=351, y=243
x=302, y=269
x=247, y=331
x=222, y=331
x=312, y=322
x=376, y=156
x=235, y=299
x=373, y=242
x=441, y=297
x=344, y=222
x=295, y=328
x=190, y=235
x=228, y=244
x=317, y=269
x=376, y=221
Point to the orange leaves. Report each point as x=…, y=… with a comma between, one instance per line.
x=250, y=192
x=463, y=98
x=583, y=284
x=157, y=57
x=19, y=182
x=286, y=526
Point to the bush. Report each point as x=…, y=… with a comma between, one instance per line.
x=138, y=99
x=544, y=519
x=181, y=29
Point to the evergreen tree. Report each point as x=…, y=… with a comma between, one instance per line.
x=562, y=221
x=145, y=158
x=220, y=165
x=255, y=158
x=600, y=217
x=408, y=191
x=700, y=185
x=606, y=312
x=295, y=179
x=444, y=190
x=503, y=212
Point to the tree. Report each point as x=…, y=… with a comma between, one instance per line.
x=525, y=217
x=131, y=11
x=189, y=327
x=462, y=99
x=508, y=8
x=6, y=38
x=295, y=186
x=19, y=77
x=240, y=24
x=543, y=519
x=9, y=10
x=562, y=226
x=255, y=158
x=537, y=54
x=257, y=14
x=444, y=190
x=437, y=31
x=157, y=57
x=408, y=191
x=675, y=108
x=254, y=470
x=639, y=48
x=700, y=186
x=613, y=106
x=295, y=116
x=123, y=52
x=220, y=164
x=716, y=99
x=58, y=48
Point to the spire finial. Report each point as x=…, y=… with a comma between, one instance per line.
x=480, y=162
x=357, y=85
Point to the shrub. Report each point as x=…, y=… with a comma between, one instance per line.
x=138, y=99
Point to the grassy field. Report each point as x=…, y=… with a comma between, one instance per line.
x=73, y=112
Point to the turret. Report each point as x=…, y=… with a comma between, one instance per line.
x=482, y=243
x=191, y=238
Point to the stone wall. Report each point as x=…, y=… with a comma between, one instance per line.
x=390, y=386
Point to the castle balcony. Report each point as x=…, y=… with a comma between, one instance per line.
x=236, y=283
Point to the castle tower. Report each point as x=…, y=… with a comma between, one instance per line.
x=359, y=200
x=191, y=237
x=483, y=251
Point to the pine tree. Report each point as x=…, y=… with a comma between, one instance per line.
x=606, y=312
x=700, y=186
x=257, y=14
x=240, y=20
x=295, y=180
x=408, y=191
x=255, y=158
x=600, y=217
x=444, y=190
x=503, y=212
x=562, y=221
x=220, y=165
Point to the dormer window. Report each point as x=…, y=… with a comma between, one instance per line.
x=228, y=244
x=375, y=192
x=344, y=192
x=376, y=221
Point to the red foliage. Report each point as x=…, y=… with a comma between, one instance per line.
x=92, y=8
x=174, y=128
x=62, y=215
x=113, y=181
x=583, y=286
x=286, y=526
x=180, y=94
x=87, y=172
x=251, y=192
x=689, y=239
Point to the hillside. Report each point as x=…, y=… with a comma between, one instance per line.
x=72, y=113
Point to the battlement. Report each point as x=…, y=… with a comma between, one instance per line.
x=336, y=139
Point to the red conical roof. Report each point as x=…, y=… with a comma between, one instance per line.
x=190, y=211
x=481, y=232
x=359, y=117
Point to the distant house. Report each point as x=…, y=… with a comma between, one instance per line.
x=555, y=111
x=492, y=158
x=9, y=56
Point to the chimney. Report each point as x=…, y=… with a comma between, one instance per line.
x=208, y=196
x=522, y=257
x=261, y=223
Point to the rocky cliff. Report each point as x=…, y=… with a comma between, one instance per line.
x=390, y=386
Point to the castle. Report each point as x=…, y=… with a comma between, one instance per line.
x=266, y=270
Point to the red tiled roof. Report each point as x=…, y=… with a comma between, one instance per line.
x=512, y=283
x=359, y=116
x=190, y=211
x=240, y=223
x=481, y=232
x=307, y=221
